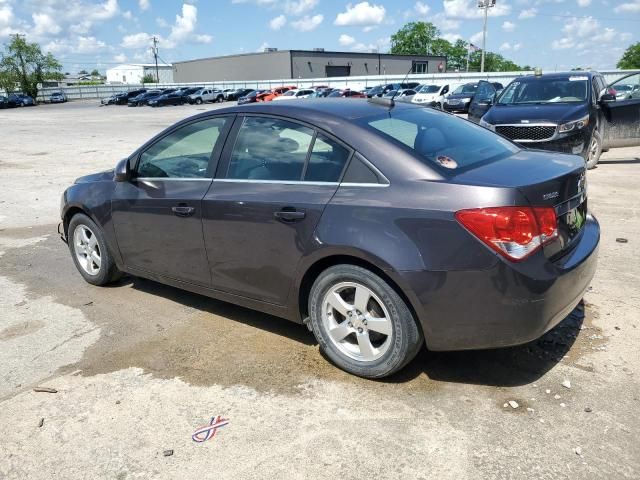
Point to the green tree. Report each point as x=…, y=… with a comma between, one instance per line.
x=83, y=72
x=631, y=58
x=148, y=78
x=23, y=63
x=493, y=62
x=95, y=72
x=457, y=55
x=416, y=38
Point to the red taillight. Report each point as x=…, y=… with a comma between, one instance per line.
x=514, y=232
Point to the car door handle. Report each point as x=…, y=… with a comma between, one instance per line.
x=289, y=214
x=183, y=210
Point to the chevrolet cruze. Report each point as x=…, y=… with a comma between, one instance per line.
x=382, y=228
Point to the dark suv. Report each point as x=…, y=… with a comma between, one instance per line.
x=382, y=90
x=574, y=112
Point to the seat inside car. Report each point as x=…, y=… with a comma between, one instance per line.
x=429, y=141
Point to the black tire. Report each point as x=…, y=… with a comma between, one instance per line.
x=198, y=101
x=108, y=271
x=405, y=339
x=594, y=150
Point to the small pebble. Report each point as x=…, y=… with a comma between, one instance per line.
x=513, y=404
x=578, y=451
x=588, y=409
x=41, y=423
x=563, y=405
x=117, y=402
x=45, y=390
x=621, y=240
x=167, y=453
x=566, y=384
x=547, y=391
x=529, y=409
x=556, y=396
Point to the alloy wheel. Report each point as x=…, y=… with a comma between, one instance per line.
x=593, y=148
x=357, y=321
x=87, y=249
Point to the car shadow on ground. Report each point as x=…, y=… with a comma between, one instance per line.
x=506, y=367
x=618, y=162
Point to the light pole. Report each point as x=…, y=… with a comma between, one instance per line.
x=485, y=5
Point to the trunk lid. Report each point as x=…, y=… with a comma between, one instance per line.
x=544, y=179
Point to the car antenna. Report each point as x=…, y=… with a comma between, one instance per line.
x=388, y=102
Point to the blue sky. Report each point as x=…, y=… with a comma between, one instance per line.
x=548, y=33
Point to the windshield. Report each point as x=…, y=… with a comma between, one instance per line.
x=429, y=89
x=290, y=93
x=540, y=90
x=466, y=88
x=443, y=140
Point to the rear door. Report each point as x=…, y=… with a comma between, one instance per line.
x=157, y=215
x=481, y=101
x=273, y=183
x=622, y=115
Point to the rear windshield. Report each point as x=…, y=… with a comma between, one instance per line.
x=466, y=88
x=443, y=140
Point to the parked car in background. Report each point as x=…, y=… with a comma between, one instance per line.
x=402, y=95
x=295, y=94
x=251, y=97
x=383, y=225
x=240, y=92
x=21, y=100
x=206, y=95
x=275, y=92
x=185, y=93
x=142, y=99
x=346, y=93
x=227, y=91
x=58, y=97
x=627, y=91
x=460, y=98
x=4, y=102
x=382, y=90
x=172, y=98
x=431, y=95
x=124, y=97
x=573, y=112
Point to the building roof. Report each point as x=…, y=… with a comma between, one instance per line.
x=314, y=52
x=160, y=65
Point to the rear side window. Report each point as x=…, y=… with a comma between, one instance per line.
x=442, y=140
x=327, y=160
x=270, y=149
x=359, y=172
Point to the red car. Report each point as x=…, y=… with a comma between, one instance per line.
x=276, y=92
x=346, y=93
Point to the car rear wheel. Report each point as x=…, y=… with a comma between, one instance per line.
x=361, y=323
x=89, y=251
x=198, y=101
x=594, y=151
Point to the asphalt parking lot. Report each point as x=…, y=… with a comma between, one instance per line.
x=139, y=366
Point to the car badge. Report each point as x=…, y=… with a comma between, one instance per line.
x=550, y=195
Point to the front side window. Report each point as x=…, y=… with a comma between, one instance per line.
x=270, y=149
x=442, y=140
x=184, y=153
x=628, y=87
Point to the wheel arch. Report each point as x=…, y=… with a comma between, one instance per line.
x=389, y=275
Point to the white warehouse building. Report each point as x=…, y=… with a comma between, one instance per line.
x=132, y=73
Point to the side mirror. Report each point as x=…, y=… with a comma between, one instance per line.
x=122, y=172
x=607, y=97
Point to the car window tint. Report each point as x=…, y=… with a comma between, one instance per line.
x=269, y=149
x=359, y=172
x=442, y=140
x=184, y=153
x=327, y=160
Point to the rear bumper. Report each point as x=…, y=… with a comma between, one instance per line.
x=506, y=305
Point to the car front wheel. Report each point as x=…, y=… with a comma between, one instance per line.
x=361, y=323
x=89, y=251
x=594, y=151
x=198, y=101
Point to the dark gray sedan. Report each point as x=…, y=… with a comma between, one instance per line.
x=380, y=228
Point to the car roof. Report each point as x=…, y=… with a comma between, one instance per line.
x=575, y=73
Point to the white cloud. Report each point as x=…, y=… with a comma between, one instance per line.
x=517, y=46
x=136, y=40
x=445, y=23
x=382, y=44
x=476, y=38
x=362, y=14
x=262, y=47
x=128, y=15
x=298, y=7
x=183, y=28
x=346, y=40
x=307, y=23
x=144, y=4
x=563, y=43
x=581, y=27
x=79, y=44
x=120, y=58
x=162, y=22
x=528, y=13
x=278, y=22
x=584, y=3
x=422, y=9
x=89, y=45
x=508, y=26
x=44, y=24
x=468, y=9
x=451, y=37
x=629, y=7
x=505, y=47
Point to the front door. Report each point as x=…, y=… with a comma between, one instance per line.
x=158, y=214
x=269, y=193
x=482, y=100
x=622, y=115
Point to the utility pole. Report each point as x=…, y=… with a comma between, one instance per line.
x=154, y=49
x=485, y=5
